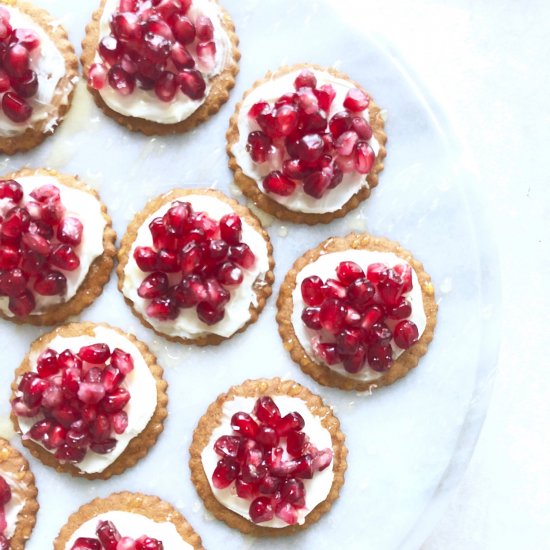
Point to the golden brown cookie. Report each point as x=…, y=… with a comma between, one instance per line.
x=140, y=443
x=15, y=470
x=213, y=418
x=251, y=188
x=262, y=285
x=99, y=271
x=221, y=84
x=321, y=372
x=37, y=131
x=148, y=506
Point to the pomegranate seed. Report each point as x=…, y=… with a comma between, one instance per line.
x=51, y=283
x=86, y=543
x=181, y=57
x=307, y=101
x=5, y=29
x=267, y=436
x=361, y=127
x=96, y=354
x=246, y=490
x=334, y=289
x=391, y=289
x=54, y=438
x=371, y=316
x=379, y=357
x=225, y=472
x=206, y=55
x=33, y=390
x=100, y=428
x=360, y=291
x=192, y=83
x=119, y=421
x=317, y=183
x=204, y=27
x=379, y=333
x=230, y=275
x=22, y=409
x=103, y=447
x=261, y=510
x=332, y=315
x=121, y=81
x=293, y=492
x=176, y=218
x=258, y=145
x=27, y=84
x=269, y=484
x=356, y=101
x=16, y=221
x=306, y=79
x=97, y=76
x=26, y=38
x=12, y=283
x=377, y=273
x=146, y=258
x=295, y=169
x=126, y=543
x=122, y=361
x=90, y=393
x=16, y=60
x=182, y=28
x=163, y=308
x=158, y=26
x=275, y=182
x=340, y=123
x=110, y=49
x=242, y=255
x=227, y=445
x=65, y=415
x=125, y=25
x=280, y=121
x=46, y=193
x=5, y=83
x=363, y=157
x=9, y=257
x=153, y=286
x=260, y=108
x=348, y=341
x=5, y=492
x=166, y=86
x=348, y=272
x=36, y=243
x=108, y=535
x=291, y=422
x=402, y=310
x=295, y=443
x=345, y=143
x=327, y=353
x=47, y=363
x=116, y=401
x=313, y=123
x=65, y=453
x=64, y=257
x=22, y=305
x=287, y=513
x=267, y=411
x=325, y=96
x=77, y=439
x=148, y=543
x=345, y=164
x=404, y=272
x=405, y=334
x=310, y=148
x=310, y=317
x=244, y=424
x=15, y=107
x=11, y=189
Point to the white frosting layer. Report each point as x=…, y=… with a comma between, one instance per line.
x=144, y=103
x=87, y=209
x=187, y=324
x=14, y=506
x=134, y=526
x=299, y=201
x=317, y=488
x=140, y=383
x=49, y=65
x=325, y=267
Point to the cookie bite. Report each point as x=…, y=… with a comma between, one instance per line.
x=18, y=504
x=196, y=266
x=356, y=312
x=131, y=521
x=160, y=67
x=38, y=74
x=89, y=400
x=306, y=144
x=268, y=457
x=56, y=246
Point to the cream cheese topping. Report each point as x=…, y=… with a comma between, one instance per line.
x=325, y=267
x=49, y=64
x=317, y=488
x=299, y=201
x=187, y=324
x=140, y=383
x=77, y=203
x=130, y=524
x=14, y=506
x=144, y=103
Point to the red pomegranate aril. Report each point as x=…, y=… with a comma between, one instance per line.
x=5, y=83
x=64, y=257
x=244, y=424
x=116, y=400
x=22, y=305
x=310, y=318
x=307, y=101
x=310, y=148
x=247, y=490
x=204, y=28
x=36, y=243
x=258, y=146
x=287, y=512
x=269, y=485
x=156, y=25
x=100, y=428
x=122, y=361
x=405, y=334
x=363, y=157
x=261, y=510
x=26, y=85
x=230, y=275
x=51, y=283
x=90, y=393
x=348, y=340
x=103, y=447
x=390, y=291
x=168, y=261
x=313, y=123
x=54, y=438
x=348, y=272
x=65, y=415
x=182, y=29
x=325, y=96
x=9, y=257
x=192, y=83
x=22, y=409
x=340, y=123
x=345, y=143
x=86, y=543
x=295, y=443
x=227, y=445
x=13, y=282
x=345, y=164
x=291, y=422
x=361, y=127
x=312, y=290
x=16, y=60
x=225, y=472
x=275, y=182
x=404, y=272
x=327, y=353
x=11, y=189
x=5, y=32
x=125, y=25
x=31, y=262
x=121, y=81
x=332, y=315
x=377, y=273
x=208, y=314
x=163, y=308
x=304, y=467
x=379, y=357
x=206, y=55
x=285, y=99
x=267, y=436
x=111, y=377
x=108, y=535
x=47, y=363
x=306, y=79
x=262, y=107
x=77, y=439
x=166, y=86
x=402, y=310
x=242, y=255
x=15, y=222
x=146, y=258
x=97, y=76
x=334, y=289
x=317, y=183
x=32, y=389
x=119, y=421
x=293, y=492
x=39, y=429
x=356, y=101
x=153, y=286
x=110, y=49
x=322, y=460
x=96, y=354
x=181, y=58
x=73, y=455
x=231, y=229
x=379, y=333
x=371, y=316
x=295, y=169
x=360, y=292
x=266, y=411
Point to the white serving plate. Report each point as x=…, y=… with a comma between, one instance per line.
x=409, y=443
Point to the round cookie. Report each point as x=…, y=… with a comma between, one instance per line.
x=191, y=67
x=196, y=266
x=109, y=409
x=132, y=513
x=39, y=74
x=356, y=312
x=254, y=468
x=60, y=234
x=306, y=144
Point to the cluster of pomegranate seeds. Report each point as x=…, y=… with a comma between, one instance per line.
x=267, y=457
x=301, y=144
x=5, y=497
x=359, y=313
x=18, y=81
x=193, y=262
x=79, y=398
x=37, y=245
x=108, y=538
x=155, y=45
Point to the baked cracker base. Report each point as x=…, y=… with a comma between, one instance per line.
x=36, y=134
x=251, y=188
x=262, y=288
x=152, y=507
x=322, y=373
x=212, y=419
x=13, y=463
x=98, y=273
x=218, y=95
x=138, y=446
